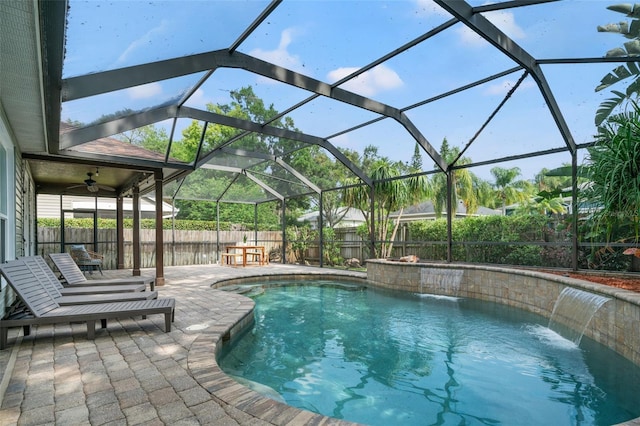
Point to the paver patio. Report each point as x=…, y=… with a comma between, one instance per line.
x=135, y=373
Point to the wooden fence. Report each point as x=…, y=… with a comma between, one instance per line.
x=180, y=247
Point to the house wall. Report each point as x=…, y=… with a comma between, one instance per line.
x=20, y=204
x=17, y=207
x=49, y=206
x=7, y=206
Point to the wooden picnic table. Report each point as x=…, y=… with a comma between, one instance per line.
x=253, y=252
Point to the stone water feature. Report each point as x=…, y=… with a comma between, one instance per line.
x=444, y=281
x=613, y=321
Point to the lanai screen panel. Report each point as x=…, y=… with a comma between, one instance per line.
x=109, y=35
x=389, y=138
x=245, y=190
x=104, y=107
x=325, y=117
x=282, y=181
x=577, y=97
x=229, y=158
x=329, y=40
x=559, y=29
x=202, y=185
x=227, y=91
x=494, y=120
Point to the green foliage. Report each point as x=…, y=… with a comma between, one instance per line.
x=630, y=70
x=229, y=212
x=507, y=189
x=479, y=234
x=391, y=193
x=299, y=239
x=331, y=248
x=182, y=225
x=462, y=182
x=614, y=174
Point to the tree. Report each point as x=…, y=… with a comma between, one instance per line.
x=507, y=189
x=416, y=159
x=390, y=194
x=630, y=70
x=552, y=180
x=544, y=203
x=245, y=105
x=614, y=174
x=463, y=183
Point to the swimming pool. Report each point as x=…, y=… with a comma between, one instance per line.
x=386, y=358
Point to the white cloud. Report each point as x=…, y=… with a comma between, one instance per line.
x=197, y=100
x=143, y=42
x=281, y=56
x=502, y=88
x=378, y=79
x=505, y=21
x=145, y=91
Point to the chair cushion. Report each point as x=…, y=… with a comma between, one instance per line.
x=80, y=253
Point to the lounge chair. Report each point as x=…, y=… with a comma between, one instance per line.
x=74, y=276
x=48, y=279
x=86, y=260
x=97, y=289
x=41, y=308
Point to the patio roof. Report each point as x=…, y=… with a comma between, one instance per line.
x=503, y=81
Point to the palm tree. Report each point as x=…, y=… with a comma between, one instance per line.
x=543, y=204
x=390, y=194
x=507, y=189
x=462, y=183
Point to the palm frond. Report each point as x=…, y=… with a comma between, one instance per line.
x=618, y=74
x=606, y=108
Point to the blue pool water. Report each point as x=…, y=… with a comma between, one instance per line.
x=385, y=358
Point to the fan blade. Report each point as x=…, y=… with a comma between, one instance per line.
x=106, y=188
x=76, y=186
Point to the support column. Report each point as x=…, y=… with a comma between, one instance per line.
x=136, y=231
x=159, y=230
x=120, y=232
x=284, y=233
x=321, y=233
x=450, y=215
x=574, y=211
x=372, y=214
x=218, y=258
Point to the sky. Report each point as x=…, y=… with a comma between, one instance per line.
x=329, y=39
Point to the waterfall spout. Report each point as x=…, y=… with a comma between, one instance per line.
x=441, y=280
x=573, y=311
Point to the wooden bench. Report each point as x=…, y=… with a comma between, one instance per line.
x=230, y=258
x=256, y=256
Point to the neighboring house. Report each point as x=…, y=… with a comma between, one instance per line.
x=351, y=219
x=426, y=211
x=49, y=206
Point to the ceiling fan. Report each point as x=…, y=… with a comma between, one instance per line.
x=92, y=185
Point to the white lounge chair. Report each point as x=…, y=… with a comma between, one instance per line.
x=74, y=276
x=48, y=279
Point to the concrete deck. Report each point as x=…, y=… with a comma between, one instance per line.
x=134, y=373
